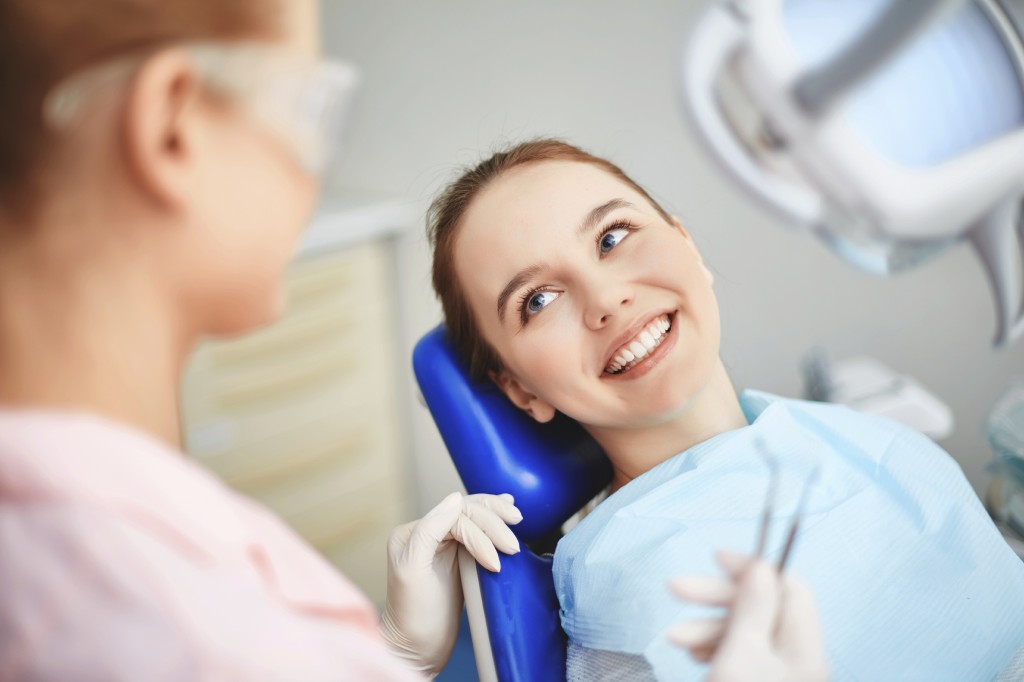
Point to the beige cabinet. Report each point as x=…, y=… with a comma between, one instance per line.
x=304, y=415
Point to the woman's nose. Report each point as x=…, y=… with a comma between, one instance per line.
x=606, y=301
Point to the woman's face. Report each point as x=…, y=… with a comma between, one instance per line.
x=597, y=306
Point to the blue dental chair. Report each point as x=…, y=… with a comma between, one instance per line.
x=551, y=469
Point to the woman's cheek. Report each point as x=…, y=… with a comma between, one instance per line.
x=547, y=355
x=543, y=357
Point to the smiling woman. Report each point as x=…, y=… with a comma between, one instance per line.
x=610, y=296
x=565, y=283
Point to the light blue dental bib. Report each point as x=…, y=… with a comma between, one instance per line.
x=912, y=579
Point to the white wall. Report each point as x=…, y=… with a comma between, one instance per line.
x=448, y=80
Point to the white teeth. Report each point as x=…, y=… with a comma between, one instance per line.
x=638, y=349
x=642, y=345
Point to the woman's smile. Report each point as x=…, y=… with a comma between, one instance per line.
x=642, y=350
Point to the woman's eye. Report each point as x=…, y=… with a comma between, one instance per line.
x=612, y=238
x=539, y=300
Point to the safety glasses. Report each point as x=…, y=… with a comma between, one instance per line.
x=303, y=101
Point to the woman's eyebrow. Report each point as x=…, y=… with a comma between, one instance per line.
x=590, y=221
x=521, y=278
x=597, y=214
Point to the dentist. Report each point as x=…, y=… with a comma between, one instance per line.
x=157, y=163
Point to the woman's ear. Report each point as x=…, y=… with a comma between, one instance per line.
x=158, y=129
x=538, y=408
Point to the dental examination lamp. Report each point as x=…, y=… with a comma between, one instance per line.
x=891, y=129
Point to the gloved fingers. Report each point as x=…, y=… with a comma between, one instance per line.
x=477, y=542
x=492, y=524
x=704, y=590
x=701, y=637
x=428, y=533
x=399, y=539
x=503, y=505
x=706, y=652
x=697, y=634
x=799, y=635
x=754, y=611
x=733, y=563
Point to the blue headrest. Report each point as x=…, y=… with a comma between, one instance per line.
x=551, y=469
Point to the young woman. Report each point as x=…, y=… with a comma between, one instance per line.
x=571, y=288
x=157, y=163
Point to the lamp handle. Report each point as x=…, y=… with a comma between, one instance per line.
x=998, y=240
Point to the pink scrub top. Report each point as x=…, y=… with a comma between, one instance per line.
x=121, y=559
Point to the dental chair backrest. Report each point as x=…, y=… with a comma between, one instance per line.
x=551, y=469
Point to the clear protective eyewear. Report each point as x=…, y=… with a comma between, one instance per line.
x=303, y=100
x=770, y=504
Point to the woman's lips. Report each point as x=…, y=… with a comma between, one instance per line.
x=641, y=366
x=643, y=343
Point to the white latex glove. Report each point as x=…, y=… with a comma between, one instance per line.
x=424, y=603
x=770, y=634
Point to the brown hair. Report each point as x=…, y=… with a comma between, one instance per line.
x=445, y=216
x=43, y=41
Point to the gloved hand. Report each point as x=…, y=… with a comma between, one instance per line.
x=770, y=634
x=424, y=602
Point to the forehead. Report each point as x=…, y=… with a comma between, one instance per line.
x=541, y=201
x=529, y=217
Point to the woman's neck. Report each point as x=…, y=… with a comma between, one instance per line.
x=715, y=410
x=93, y=338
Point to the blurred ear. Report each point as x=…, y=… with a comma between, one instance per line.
x=160, y=125
x=522, y=398
x=677, y=224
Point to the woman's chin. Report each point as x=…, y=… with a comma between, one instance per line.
x=240, y=317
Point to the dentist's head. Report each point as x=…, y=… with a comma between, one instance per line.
x=120, y=139
x=157, y=163
x=49, y=41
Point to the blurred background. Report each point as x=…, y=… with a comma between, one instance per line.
x=444, y=83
